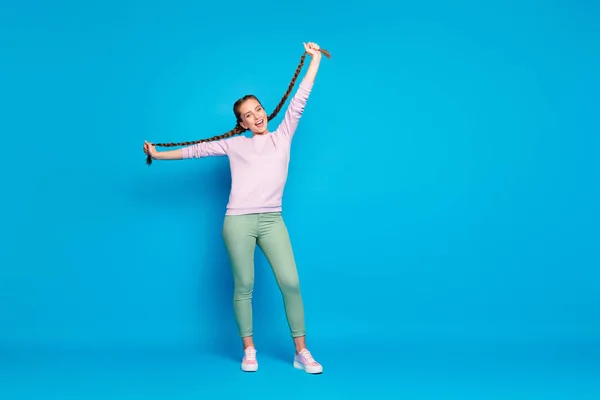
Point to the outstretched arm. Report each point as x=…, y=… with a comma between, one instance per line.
x=204, y=149
x=150, y=150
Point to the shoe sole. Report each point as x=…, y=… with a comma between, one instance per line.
x=249, y=368
x=308, y=370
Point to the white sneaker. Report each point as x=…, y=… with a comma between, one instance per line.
x=306, y=362
x=249, y=362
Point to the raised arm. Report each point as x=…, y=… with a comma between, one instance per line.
x=313, y=50
x=295, y=109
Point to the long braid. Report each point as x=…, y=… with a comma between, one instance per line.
x=293, y=82
x=238, y=128
x=235, y=131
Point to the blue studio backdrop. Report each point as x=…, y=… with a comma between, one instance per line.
x=443, y=185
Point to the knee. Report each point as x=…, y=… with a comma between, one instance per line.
x=244, y=286
x=290, y=286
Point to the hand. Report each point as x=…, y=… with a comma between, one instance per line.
x=150, y=149
x=312, y=49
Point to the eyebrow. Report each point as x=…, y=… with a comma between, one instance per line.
x=256, y=108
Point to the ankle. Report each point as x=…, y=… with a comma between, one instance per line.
x=300, y=343
x=247, y=342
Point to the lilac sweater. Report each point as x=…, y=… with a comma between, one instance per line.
x=259, y=165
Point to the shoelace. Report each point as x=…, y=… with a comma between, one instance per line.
x=308, y=357
x=250, y=354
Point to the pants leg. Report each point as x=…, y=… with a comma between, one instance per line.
x=240, y=234
x=274, y=241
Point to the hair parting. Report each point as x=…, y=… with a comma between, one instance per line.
x=238, y=129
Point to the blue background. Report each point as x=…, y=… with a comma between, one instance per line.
x=442, y=198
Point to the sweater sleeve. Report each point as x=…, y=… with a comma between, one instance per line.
x=288, y=126
x=217, y=148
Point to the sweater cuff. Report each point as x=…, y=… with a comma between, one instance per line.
x=306, y=85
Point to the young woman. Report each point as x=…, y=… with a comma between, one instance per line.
x=259, y=169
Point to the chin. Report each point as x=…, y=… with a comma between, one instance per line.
x=263, y=127
x=262, y=130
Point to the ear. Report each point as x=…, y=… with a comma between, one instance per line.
x=243, y=125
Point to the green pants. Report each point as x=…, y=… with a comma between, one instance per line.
x=241, y=234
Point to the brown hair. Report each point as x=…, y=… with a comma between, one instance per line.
x=238, y=128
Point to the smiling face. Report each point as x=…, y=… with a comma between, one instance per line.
x=251, y=115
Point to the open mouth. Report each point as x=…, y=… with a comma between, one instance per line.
x=260, y=123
